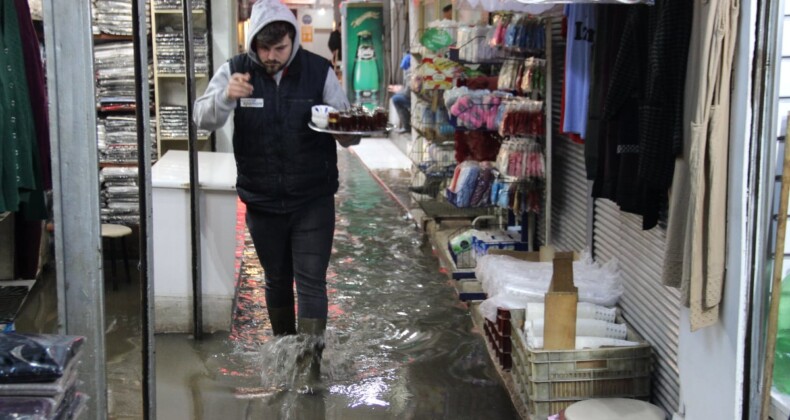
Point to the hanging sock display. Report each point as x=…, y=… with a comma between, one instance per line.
x=471, y=184
x=476, y=145
x=522, y=168
x=521, y=117
x=475, y=44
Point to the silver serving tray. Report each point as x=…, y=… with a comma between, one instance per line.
x=352, y=133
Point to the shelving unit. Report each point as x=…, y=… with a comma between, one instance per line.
x=116, y=121
x=113, y=55
x=432, y=148
x=170, y=88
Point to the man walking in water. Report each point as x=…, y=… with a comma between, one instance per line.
x=286, y=173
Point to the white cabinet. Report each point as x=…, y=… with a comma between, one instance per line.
x=172, y=243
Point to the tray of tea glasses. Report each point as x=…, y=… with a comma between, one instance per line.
x=371, y=133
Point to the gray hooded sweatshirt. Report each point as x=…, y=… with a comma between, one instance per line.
x=212, y=110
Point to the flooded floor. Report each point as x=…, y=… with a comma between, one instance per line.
x=399, y=345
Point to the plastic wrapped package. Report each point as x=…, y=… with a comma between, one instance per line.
x=117, y=137
x=119, y=173
x=118, y=192
x=27, y=408
x=115, y=16
x=585, y=342
x=68, y=405
x=584, y=328
x=36, y=357
x=121, y=193
x=57, y=390
x=452, y=95
x=512, y=283
x=173, y=122
x=170, y=56
x=584, y=310
x=115, y=80
x=71, y=406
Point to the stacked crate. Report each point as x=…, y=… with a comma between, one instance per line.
x=548, y=381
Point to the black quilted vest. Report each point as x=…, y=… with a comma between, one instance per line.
x=281, y=163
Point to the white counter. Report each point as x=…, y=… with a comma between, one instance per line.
x=172, y=244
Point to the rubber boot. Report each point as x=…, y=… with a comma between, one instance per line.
x=309, y=362
x=283, y=320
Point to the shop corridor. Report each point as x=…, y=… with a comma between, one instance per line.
x=399, y=344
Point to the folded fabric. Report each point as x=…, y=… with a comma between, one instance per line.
x=36, y=357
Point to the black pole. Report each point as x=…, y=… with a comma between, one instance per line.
x=197, y=288
x=142, y=106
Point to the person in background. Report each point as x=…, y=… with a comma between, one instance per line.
x=336, y=46
x=447, y=12
x=402, y=99
x=286, y=173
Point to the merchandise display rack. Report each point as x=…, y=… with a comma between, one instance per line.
x=432, y=150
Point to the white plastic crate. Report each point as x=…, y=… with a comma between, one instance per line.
x=551, y=380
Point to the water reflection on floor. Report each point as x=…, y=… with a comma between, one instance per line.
x=399, y=344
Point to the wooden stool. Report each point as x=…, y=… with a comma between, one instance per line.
x=115, y=232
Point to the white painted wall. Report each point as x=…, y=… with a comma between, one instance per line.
x=711, y=360
x=781, y=405
x=783, y=105
x=322, y=26
x=223, y=46
x=784, y=73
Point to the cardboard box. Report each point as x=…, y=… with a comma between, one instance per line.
x=559, y=330
x=486, y=241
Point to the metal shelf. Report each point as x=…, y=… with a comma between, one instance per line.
x=178, y=75
x=170, y=88
x=182, y=138
x=176, y=11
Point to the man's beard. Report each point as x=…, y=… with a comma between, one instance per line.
x=272, y=67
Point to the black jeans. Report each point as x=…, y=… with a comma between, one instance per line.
x=402, y=104
x=295, y=245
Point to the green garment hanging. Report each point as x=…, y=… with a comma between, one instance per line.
x=20, y=172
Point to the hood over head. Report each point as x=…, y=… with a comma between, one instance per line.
x=265, y=12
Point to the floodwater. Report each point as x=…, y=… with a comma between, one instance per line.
x=398, y=345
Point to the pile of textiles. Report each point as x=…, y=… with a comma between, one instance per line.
x=114, y=17
x=117, y=139
x=120, y=199
x=38, y=376
x=170, y=56
x=173, y=123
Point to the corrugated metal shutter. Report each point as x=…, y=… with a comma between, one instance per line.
x=649, y=307
x=568, y=182
x=569, y=197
